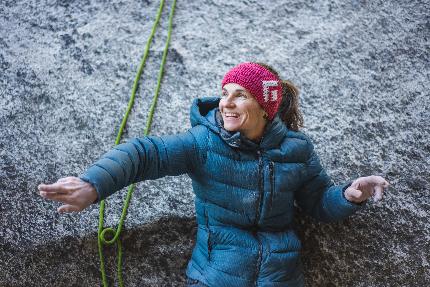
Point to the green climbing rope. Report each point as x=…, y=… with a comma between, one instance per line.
x=103, y=232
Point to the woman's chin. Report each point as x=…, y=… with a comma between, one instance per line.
x=231, y=128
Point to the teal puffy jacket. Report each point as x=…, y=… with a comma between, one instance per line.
x=245, y=194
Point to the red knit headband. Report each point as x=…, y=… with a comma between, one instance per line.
x=260, y=82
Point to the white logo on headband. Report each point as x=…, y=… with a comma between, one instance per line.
x=273, y=93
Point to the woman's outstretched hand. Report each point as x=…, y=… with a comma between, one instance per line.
x=73, y=191
x=364, y=187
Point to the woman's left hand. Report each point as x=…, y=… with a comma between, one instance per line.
x=364, y=187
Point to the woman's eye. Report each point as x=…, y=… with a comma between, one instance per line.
x=240, y=95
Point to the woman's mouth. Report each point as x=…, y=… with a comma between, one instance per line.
x=231, y=115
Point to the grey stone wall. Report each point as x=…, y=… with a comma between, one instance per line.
x=67, y=68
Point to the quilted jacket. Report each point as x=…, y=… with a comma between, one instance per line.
x=244, y=194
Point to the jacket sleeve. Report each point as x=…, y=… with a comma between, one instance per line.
x=148, y=157
x=319, y=197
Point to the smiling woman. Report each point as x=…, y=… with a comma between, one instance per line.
x=249, y=164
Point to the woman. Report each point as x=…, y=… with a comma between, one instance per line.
x=248, y=163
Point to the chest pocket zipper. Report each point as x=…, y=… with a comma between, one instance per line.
x=259, y=204
x=272, y=183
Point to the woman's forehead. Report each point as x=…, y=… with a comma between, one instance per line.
x=233, y=87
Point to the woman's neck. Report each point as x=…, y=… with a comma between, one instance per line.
x=255, y=135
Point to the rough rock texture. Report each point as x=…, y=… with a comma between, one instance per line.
x=67, y=68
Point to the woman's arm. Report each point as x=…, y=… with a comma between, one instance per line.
x=139, y=159
x=143, y=158
x=326, y=202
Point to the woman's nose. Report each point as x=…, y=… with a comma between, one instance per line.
x=229, y=101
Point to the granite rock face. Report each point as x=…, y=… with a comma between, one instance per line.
x=67, y=69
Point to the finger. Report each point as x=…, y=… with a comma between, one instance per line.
x=376, y=179
x=68, y=208
x=55, y=196
x=365, y=193
x=380, y=181
x=386, y=184
x=66, y=179
x=355, y=193
x=356, y=184
x=52, y=188
x=378, y=193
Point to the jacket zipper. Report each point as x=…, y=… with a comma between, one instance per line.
x=209, y=244
x=260, y=189
x=257, y=269
x=259, y=206
x=272, y=184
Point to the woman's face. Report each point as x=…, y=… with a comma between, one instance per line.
x=241, y=112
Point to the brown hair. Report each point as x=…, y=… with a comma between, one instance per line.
x=289, y=111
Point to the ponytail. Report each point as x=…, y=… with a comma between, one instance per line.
x=289, y=111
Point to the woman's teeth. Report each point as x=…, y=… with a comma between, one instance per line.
x=231, y=115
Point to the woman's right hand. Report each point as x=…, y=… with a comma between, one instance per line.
x=75, y=193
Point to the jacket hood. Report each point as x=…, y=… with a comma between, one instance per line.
x=204, y=111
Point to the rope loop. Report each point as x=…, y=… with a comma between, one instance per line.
x=109, y=232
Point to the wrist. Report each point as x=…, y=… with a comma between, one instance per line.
x=94, y=196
